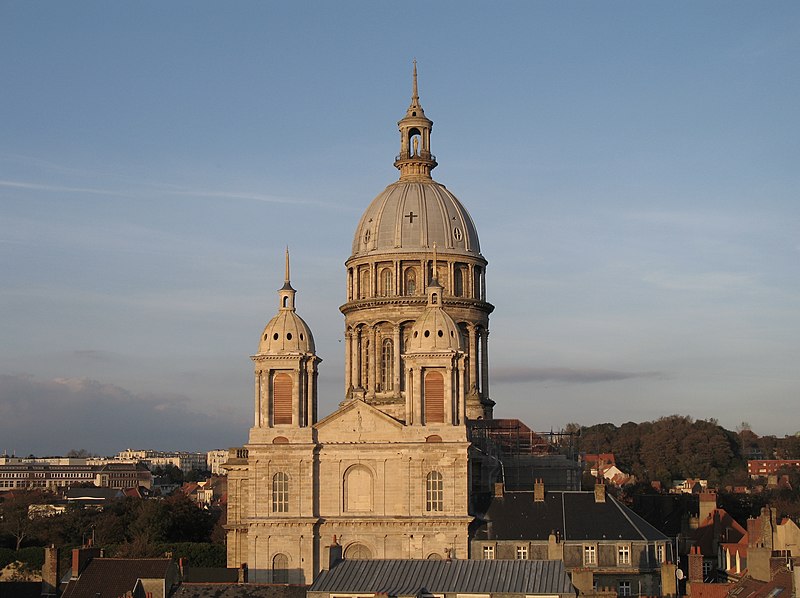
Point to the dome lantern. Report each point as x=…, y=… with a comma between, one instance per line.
x=415, y=160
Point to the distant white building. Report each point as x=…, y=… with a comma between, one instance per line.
x=184, y=461
x=215, y=460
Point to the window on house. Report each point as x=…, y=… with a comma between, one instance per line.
x=522, y=553
x=589, y=554
x=434, y=492
x=623, y=554
x=660, y=553
x=280, y=493
x=488, y=553
x=624, y=588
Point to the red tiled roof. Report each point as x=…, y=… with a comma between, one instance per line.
x=718, y=526
x=709, y=590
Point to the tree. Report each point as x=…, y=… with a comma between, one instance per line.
x=14, y=514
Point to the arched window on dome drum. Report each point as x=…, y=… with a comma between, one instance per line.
x=282, y=399
x=410, y=282
x=386, y=282
x=387, y=365
x=280, y=493
x=434, y=398
x=458, y=282
x=363, y=276
x=434, y=492
x=280, y=568
x=365, y=362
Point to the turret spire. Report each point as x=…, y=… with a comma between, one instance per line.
x=286, y=292
x=287, y=278
x=414, y=92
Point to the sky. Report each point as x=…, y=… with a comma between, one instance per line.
x=631, y=167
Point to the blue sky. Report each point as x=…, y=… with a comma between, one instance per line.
x=632, y=169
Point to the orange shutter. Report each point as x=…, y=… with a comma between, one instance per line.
x=282, y=399
x=434, y=398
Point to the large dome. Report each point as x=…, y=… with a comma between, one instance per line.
x=411, y=215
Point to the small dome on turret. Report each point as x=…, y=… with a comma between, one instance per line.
x=434, y=330
x=286, y=332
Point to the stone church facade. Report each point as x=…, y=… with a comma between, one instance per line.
x=388, y=473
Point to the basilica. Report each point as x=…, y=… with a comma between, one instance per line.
x=393, y=473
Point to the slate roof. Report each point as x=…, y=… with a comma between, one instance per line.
x=413, y=577
x=114, y=577
x=575, y=515
x=233, y=590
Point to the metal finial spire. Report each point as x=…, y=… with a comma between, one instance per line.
x=414, y=92
x=286, y=279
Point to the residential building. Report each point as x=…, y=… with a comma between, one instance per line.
x=52, y=475
x=215, y=460
x=757, y=468
x=602, y=543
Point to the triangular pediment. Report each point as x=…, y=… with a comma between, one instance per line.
x=358, y=422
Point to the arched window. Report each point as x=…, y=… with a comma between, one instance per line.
x=280, y=493
x=476, y=283
x=357, y=552
x=386, y=282
x=434, y=492
x=458, y=282
x=387, y=365
x=411, y=282
x=280, y=568
x=365, y=362
x=282, y=399
x=358, y=489
x=364, y=277
x=434, y=398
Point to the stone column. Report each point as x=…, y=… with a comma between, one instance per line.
x=396, y=358
x=257, y=398
x=373, y=360
x=409, y=397
x=357, y=358
x=485, y=363
x=473, y=356
x=348, y=368
x=462, y=400
x=449, y=394
x=296, y=393
x=309, y=418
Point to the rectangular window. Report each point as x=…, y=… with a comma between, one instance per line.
x=488, y=553
x=624, y=588
x=522, y=553
x=589, y=554
x=660, y=553
x=623, y=554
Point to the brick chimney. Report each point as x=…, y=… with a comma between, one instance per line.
x=81, y=558
x=334, y=555
x=708, y=502
x=599, y=493
x=51, y=575
x=498, y=489
x=695, y=565
x=538, y=490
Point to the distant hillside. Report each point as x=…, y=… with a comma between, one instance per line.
x=679, y=447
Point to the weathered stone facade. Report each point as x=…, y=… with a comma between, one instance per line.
x=387, y=474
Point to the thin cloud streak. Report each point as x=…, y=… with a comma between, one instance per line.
x=566, y=375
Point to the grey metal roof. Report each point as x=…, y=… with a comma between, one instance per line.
x=575, y=515
x=411, y=577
